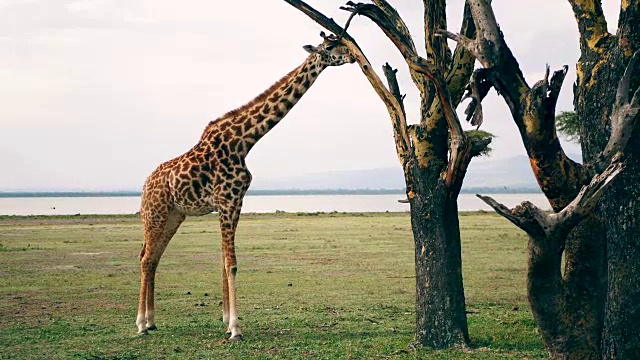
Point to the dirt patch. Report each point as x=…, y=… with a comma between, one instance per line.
x=65, y=267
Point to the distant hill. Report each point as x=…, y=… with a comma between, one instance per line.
x=510, y=174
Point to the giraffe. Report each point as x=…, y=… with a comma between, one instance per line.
x=212, y=176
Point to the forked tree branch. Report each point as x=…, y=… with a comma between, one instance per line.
x=462, y=60
x=458, y=138
x=547, y=239
x=592, y=24
x=461, y=150
x=435, y=18
x=392, y=25
x=545, y=227
x=395, y=109
x=532, y=108
x=393, y=15
x=387, y=24
x=623, y=116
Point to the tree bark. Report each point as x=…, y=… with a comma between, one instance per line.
x=441, y=320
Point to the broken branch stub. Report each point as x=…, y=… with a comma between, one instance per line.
x=477, y=89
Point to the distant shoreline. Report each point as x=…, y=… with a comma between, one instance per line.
x=290, y=192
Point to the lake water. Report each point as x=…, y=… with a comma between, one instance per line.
x=252, y=203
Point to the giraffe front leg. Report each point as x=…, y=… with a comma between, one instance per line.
x=228, y=222
x=225, y=295
x=150, y=313
x=141, y=321
x=234, y=324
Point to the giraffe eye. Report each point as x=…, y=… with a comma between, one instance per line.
x=329, y=47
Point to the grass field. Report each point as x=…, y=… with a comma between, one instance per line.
x=311, y=286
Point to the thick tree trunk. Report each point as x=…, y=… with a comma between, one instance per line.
x=439, y=289
x=434, y=169
x=568, y=309
x=619, y=208
x=621, y=338
x=601, y=66
x=585, y=283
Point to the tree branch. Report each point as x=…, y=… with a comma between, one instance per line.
x=526, y=216
x=458, y=138
x=477, y=89
x=435, y=17
x=592, y=24
x=555, y=85
x=462, y=63
x=623, y=117
x=395, y=109
x=475, y=146
x=532, y=108
x=392, y=25
x=320, y=18
x=545, y=227
x=393, y=15
x=401, y=39
x=392, y=81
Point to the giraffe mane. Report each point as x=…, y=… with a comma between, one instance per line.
x=260, y=98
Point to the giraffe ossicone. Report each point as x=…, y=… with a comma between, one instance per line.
x=212, y=176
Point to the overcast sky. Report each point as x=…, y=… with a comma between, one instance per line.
x=94, y=94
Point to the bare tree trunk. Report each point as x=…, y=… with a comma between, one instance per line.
x=434, y=167
x=439, y=289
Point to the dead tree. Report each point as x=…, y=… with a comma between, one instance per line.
x=592, y=310
x=433, y=153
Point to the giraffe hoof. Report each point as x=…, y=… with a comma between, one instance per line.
x=152, y=327
x=236, y=338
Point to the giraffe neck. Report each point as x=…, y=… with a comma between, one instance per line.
x=254, y=120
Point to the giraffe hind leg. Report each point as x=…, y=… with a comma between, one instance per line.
x=157, y=237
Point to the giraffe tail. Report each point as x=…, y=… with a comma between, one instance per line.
x=142, y=252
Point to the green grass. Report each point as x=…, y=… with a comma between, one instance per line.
x=316, y=286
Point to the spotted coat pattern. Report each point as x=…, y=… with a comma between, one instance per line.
x=212, y=176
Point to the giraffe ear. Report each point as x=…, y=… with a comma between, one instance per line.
x=310, y=49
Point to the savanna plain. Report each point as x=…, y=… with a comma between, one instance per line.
x=310, y=286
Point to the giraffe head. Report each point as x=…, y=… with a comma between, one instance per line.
x=332, y=51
